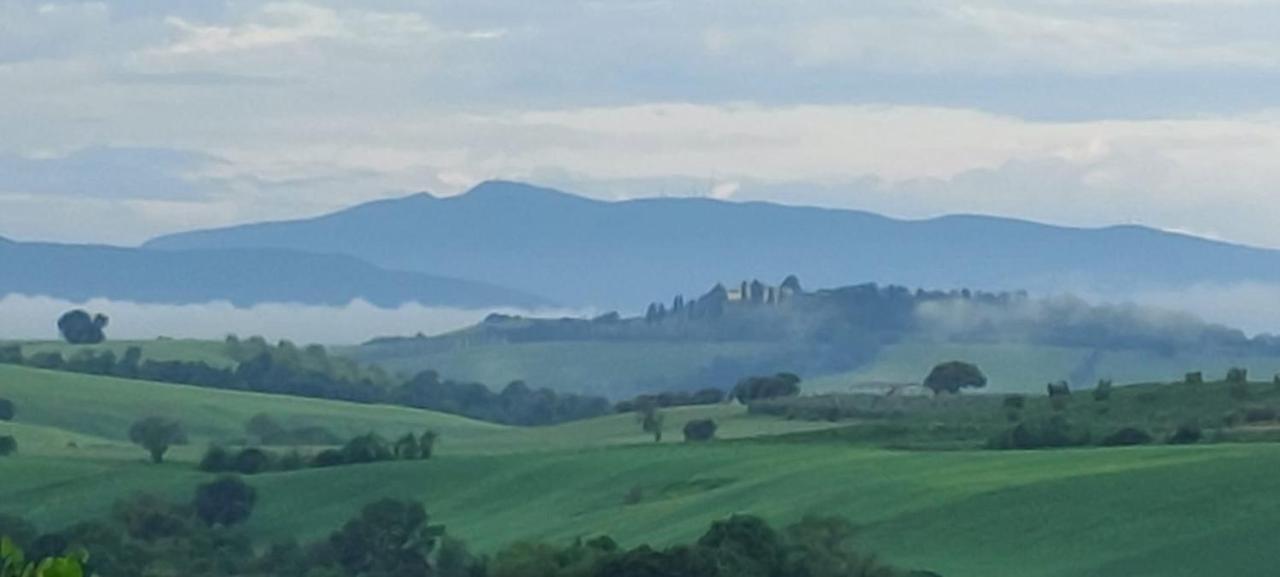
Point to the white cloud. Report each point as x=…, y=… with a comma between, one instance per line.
x=23, y=317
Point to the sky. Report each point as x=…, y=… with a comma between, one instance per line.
x=124, y=120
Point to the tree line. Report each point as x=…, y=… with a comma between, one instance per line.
x=311, y=372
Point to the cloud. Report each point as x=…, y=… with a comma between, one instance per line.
x=105, y=172
x=23, y=317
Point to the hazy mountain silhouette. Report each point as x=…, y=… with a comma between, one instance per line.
x=580, y=251
x=241, y=276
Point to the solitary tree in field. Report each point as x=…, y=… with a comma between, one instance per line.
x=651, y=420
x=78, y=328
x=427, y=444
x=156, y=435
x=225, y=502
x=951, y=377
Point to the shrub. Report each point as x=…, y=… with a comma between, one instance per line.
x=1102, y=392
x=1188, y=434
x=1259, y=414
x=700, y=430
x=251, y=461
x=1059, y=389
x=1196, y=378
x=328, y=458
x=1054, y=432
x=216, y=460
x=1237, y=375
x=8, y=445
x=7, y=410
x=1125, y=437
x=226, y=501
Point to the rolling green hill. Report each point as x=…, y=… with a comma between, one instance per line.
x=105, y=407
x=1158, y=511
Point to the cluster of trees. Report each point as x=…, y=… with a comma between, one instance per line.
x=764, y=388
x=8, y=444
x=516, y=404
x=311, y=372
x=705, y=396
x=1057, y=432
x=146, y=535
x=369, y=448
x=953, y=376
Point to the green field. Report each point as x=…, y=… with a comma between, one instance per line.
x=1117, y=512
x=1155, y=510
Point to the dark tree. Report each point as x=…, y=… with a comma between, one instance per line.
x=7, y=410
x=427, y=444
x=8, y=445
x=1102, y=392
x=700, y=430
x=78, y=328
x=760, y=388
x=951, y=377
x=156, y=434
x=226, y=501
x=390, y=538
x=651, y=420
x=407, y=447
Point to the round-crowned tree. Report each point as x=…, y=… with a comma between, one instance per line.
x=952, y=376
x=225, y=501
x=156, y=434
x=79, y=328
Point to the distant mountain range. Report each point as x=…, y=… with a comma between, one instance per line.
x=241, y=276
x=583, y=252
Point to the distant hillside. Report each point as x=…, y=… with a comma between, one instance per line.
x=856, y=336
x=616, y=254
x=241, y=276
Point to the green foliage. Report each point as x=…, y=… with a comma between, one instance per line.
x=1237, y=375
x=1194, y=378
x=953, y=376
x=763, y=388
x=1051, y=433
x=1186, y=434
x=651, y=420
x=79, y=328
x=226, y=501
x=156, y=435
x=1102, y=392
x=7, y=410
x=13, y=563
x=1126, y=437
x=390, y=538
x=700, y=430
x=8, y=445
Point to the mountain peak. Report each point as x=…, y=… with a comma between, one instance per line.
x=506, y=190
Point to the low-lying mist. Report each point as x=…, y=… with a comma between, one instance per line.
x=25, y=317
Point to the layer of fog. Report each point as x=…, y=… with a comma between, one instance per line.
x=23, y=317
x=1253, y=308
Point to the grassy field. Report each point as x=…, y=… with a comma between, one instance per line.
x=1116, y=512
x=1131, y=512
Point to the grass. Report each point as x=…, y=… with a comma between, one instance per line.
x=106, y=407
x=1116, y=512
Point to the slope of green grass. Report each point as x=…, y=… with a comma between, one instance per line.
x=1158, y=511
x=213, y=353
x=106, y=407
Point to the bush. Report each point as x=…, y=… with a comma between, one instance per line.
x=328, y=458
x=7, y=410
x=1102, y=392
x=251, y=461
x=8, y=445
x=1188, y=434
x=1049, y=433
x=1196, y=378
x=1125, y=437
x=1237, y=375
x=226, y=501
x=216, y=460
x=761, y=388
x=700, y=430
x=1259, y=414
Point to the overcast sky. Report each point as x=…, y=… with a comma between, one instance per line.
x=123, y=120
